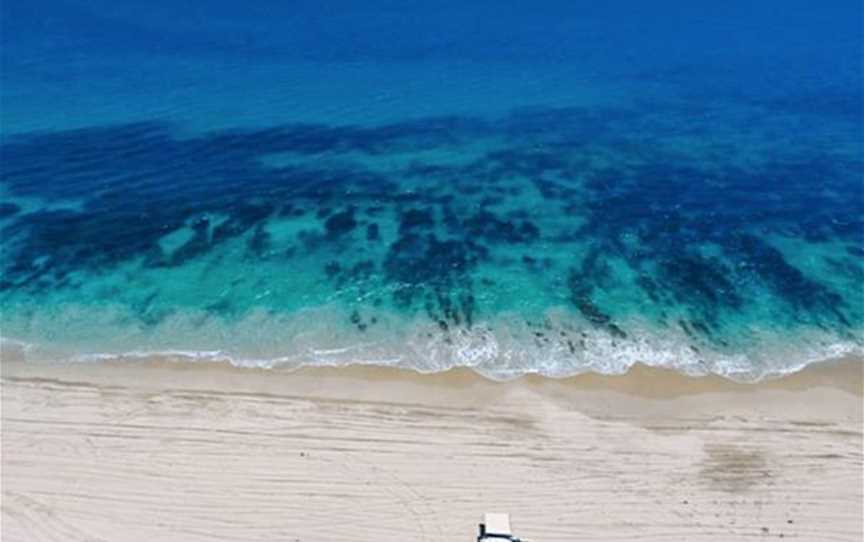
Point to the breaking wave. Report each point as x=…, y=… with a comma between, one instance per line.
x=509, y=347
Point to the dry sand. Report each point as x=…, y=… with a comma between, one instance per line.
x=167, y=451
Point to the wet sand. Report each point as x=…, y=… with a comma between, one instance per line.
x=168, y=451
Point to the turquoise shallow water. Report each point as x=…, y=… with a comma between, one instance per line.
x=506, y=212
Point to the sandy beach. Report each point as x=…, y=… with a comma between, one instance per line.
x=174, y=451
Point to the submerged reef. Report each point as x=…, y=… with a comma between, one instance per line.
x=611, y=215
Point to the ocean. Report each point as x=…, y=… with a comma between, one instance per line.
x=552, y=187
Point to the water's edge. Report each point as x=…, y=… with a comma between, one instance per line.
x=18, y=351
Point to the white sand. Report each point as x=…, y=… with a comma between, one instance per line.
x=153, y=452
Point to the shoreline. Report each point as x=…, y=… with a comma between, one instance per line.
x=12, y=350
x=845, y=373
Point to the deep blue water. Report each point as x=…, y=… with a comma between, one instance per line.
x=522, y=187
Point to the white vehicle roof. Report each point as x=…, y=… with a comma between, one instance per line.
x=497, y=524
